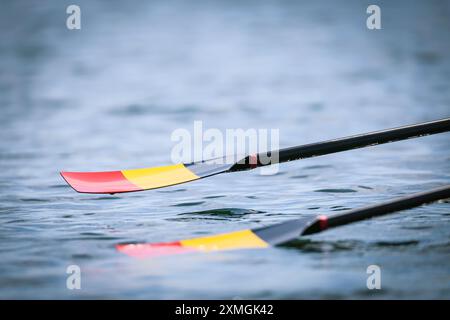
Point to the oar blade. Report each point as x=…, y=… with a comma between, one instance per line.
x=140, y=179
x=243, y=239
x=129, y=180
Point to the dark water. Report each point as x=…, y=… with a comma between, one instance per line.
x=108, y=97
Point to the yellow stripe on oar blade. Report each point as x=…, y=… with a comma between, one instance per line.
x=234, y=240
x=150, y=178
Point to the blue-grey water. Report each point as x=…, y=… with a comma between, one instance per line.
x=108, y=97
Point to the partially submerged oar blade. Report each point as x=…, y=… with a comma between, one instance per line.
x=139, y=179
x=283, y=232
x=244, y=239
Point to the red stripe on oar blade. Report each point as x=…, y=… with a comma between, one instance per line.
x=147, y=250
x=99, y=182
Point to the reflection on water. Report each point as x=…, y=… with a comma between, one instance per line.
x=109, y=95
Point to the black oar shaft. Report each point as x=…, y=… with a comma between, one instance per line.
x=407, y=202
x=359, y=141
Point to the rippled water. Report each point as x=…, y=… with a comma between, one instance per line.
x=108, y=97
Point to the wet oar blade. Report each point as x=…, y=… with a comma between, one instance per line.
x=244, y=239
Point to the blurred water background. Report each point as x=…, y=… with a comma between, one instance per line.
x=108, y=97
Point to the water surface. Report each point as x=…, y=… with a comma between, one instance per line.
x=108, y=97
